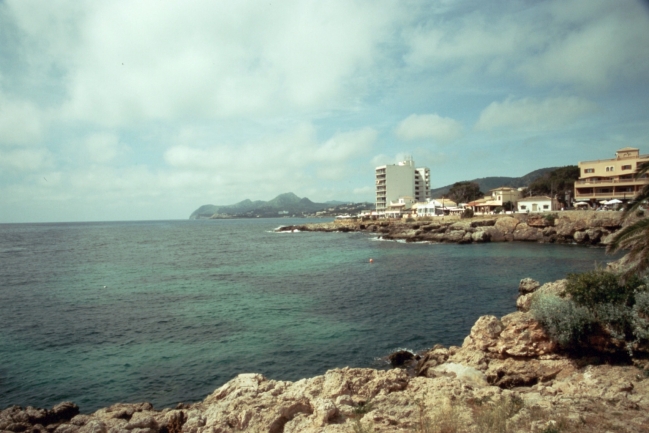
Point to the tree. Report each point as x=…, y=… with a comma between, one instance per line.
x=557, y=183
x=634, y=237
x=464, y=192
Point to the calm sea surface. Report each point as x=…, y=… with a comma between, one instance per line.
x=167, y=311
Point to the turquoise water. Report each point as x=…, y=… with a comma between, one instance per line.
x=167, y=311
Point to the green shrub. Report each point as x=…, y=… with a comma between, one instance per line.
x=563, y=320
x=467, y=213
x=600, y=287
x=550, y=218
x=599, y=301
x=498, y=210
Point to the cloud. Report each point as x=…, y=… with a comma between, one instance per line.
x=346, y=145
x=282, y=156
x=365, y=191
x=586, y=43
x=20, y=122
x=429, y=126
x=25, y=160
x=528, y=113
x=103, y=147
x=609, y=46
x=205, y=59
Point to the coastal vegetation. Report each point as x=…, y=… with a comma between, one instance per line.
x=635, y=236
x=596, y=306
x=464, y=192
x=559, y=183
x=489, y=183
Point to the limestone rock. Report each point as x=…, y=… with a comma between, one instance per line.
x=480, y=236
x=524, y=232
x=454, y=236
x=580, y=237
x=511, y=372
x=522, y=336
x=484, y=333
x=506, y=225
x=538, y=221
x=528, y=285
x=556, y=288
x=400, y=357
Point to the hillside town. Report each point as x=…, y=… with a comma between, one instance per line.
x=403, y=191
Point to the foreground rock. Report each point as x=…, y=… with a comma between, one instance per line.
x=582, y=227
x=507, y=376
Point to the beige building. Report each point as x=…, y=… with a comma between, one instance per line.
x=499, y=196
x=607, y=179
x=401, y=180
x=505, y=194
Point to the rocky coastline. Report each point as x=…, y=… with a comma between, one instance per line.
x=580, y=227
x=507, y=369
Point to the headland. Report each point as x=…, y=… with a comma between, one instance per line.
x=581, y=227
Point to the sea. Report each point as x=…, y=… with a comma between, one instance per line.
x=168, y=311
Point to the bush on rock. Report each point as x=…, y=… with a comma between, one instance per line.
x=596, y=303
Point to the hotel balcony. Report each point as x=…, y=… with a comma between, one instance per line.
x=621, y=192
x=612, y=182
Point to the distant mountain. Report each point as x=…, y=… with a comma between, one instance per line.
x=489, y=183
x=288, y=202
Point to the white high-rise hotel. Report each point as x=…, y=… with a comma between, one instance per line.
x=401, y=180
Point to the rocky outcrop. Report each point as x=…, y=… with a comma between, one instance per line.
x=507, y=371
x=582, y=227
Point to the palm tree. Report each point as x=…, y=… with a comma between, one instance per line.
x=634, y=237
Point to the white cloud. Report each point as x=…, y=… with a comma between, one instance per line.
x=25, y=160
x=590, y=43
x=20, y=123
x=594, y=53
x=530, y=113
x=204, y=59
x=283, y=156
x=346, y=145
x=103, y=147
x=429, y=126
x=365, y=191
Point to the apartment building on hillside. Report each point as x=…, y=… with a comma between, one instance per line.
x=400, y=180
x=606, y=179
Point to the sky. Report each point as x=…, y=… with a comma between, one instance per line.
x=148, y=109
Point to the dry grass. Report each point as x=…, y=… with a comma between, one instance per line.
x=502, y=415
x=443, y=418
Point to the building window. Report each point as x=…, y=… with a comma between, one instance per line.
x=609, y=168
x=523, y=207
x=589, y=170
x=545, y=206
x=626, y=167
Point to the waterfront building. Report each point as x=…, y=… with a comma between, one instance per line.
x=499, y=196
x=395, y=181
x=403, y=206
x=607, y=179
x=504, y=194
x=539, y=203
x=435, y=207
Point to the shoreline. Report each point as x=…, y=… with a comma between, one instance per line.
x=507, y=359
x=562, y=227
